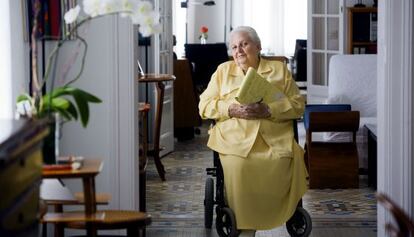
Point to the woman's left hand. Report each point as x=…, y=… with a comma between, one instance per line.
x=250, y=111
x=258, y=110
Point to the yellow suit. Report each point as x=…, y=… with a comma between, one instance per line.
x=264, y=170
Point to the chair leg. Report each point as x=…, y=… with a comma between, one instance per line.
x=44, y=230
x=159, y=165
x=59, y=230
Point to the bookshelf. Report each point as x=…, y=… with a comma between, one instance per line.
x=362, y=30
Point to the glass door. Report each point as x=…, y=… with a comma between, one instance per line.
x=325, y=39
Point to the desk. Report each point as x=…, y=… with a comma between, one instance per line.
x=88, y=171
x=159, y=79
x=372, y=155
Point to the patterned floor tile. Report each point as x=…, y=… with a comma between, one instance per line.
x=177, y=204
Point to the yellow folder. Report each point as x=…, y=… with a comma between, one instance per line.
x=255, y=89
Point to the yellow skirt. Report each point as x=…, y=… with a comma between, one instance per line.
x=264, y=189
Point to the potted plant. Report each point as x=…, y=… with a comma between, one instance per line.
x=68, y=102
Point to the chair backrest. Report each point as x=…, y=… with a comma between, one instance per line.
x=205, y=58
x=300, y=58
x=277, y=58
x=323, y=108
x=340, y=121
x=282, y=59
x=330, y=118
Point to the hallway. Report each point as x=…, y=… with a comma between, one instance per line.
x=177, y=204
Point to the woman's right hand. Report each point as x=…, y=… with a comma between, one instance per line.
x=249, y=111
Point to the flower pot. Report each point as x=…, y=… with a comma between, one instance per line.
x=51, y=142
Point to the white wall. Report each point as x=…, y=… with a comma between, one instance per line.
x=13, y=57
x=5, y=62
x=112, y=130
x=211, y=16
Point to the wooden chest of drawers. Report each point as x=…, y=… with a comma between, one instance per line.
x=20, y=176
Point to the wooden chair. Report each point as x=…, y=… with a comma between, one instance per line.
x=277, y=58
x=405, y=225
x=331, y=164
x=271, y=58
x=144, y=109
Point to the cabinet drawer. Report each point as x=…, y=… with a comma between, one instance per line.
x=18, y=176
x=22, y=215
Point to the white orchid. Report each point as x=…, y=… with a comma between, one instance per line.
x=140, y=12
x=72, y=14
x=144, y=8
x=91, y=7
x=23, y=109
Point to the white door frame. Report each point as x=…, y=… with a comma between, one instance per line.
x=395, y=106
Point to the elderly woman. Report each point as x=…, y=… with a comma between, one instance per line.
x=264, y=170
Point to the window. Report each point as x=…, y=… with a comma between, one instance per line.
x=278, y=23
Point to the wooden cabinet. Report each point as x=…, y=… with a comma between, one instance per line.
x=362, y=30
x=20, y=175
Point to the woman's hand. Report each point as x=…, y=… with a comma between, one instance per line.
x=250, y=111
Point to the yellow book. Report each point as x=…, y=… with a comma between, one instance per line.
x=255, y=89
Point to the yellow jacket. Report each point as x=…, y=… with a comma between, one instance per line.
x=236, y=136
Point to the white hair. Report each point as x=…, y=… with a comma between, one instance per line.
x=249, y=31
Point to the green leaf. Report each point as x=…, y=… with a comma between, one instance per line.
x=72, y=110
x=60, y=103
x=83, y=106
x=53, y=105
x=89, y=97
x=64, y=113
x=82, y=100
x=68, y=109
x=23, y=97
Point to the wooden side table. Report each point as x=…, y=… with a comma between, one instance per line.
x=159, y=79
x=88, y=171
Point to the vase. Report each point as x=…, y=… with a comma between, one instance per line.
x=203, y=40
x=51, y=142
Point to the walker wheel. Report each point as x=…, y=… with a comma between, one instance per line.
x=208, y=203
x=300, y=224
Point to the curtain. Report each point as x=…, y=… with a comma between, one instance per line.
x=278, y=22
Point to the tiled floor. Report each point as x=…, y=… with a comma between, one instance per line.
x=177, y=204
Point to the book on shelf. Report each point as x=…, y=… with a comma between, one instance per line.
x=373, y=27
x=355, y=50
x=255, y=89
x=65, y=163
